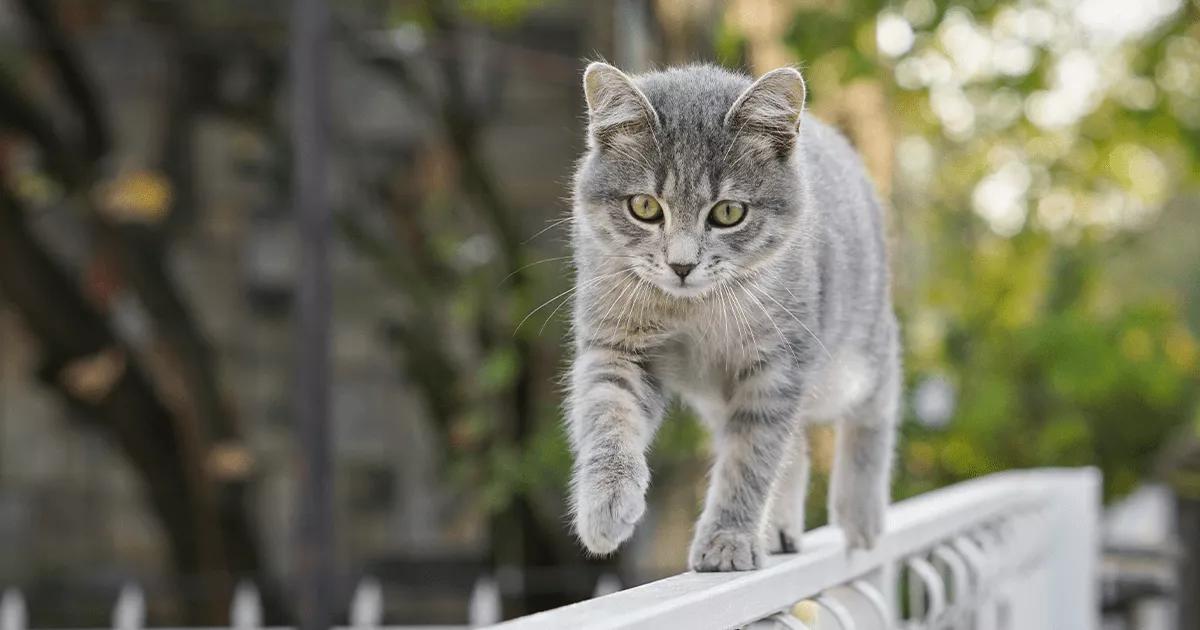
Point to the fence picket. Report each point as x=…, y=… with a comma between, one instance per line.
x=484, y=608
x=129, y=613
x=607, y=584
x=366, y=606
x=13, y=614
x=245, y=611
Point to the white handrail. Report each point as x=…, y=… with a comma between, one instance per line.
x=1055, y=512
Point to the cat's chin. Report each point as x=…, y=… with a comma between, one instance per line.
x=687, y=291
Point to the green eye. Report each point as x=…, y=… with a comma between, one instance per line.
x=645, y=208
x=727, y=214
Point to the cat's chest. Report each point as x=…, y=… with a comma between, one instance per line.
x=702, y=357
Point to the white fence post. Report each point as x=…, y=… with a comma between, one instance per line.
x=1073, y=573
x=607, y=584
x=245, y=611
x=366, y=606
x=484, y=608
x=13, y=615
x=129, y=613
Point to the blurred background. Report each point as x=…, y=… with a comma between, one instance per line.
x=1041, y=160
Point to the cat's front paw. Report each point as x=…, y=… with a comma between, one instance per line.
x=607, y=508
x=861, y=522
x=725, y=550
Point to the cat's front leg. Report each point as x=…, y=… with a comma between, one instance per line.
x=752, y=448
x=615, y=406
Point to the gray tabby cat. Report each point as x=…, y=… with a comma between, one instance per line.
x=729, y=251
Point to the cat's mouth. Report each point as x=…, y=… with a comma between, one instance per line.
x=686, y=291
x=688, y=288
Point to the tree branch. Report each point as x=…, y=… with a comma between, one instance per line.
x=97, y=140
x=69, y=330
x=230, y=539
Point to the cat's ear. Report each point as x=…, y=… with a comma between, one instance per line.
x=617, y=109
x=770, y=110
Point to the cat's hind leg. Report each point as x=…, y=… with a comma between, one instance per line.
x=860, y=482
x=786, y=523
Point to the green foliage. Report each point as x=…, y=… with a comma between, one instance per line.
x=1053, y=361
x=499, y=12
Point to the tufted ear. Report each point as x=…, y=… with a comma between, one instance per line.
x=769, y=111
x=617, y=109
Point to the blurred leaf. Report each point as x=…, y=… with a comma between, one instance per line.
x=138, y=197
x=498, y=370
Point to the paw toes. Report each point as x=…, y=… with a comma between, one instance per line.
x=604, y=522
x=726, y=551
x=861, y=524
x=861, y=535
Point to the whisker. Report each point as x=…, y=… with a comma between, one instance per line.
x=721, y=291
x=559, y=258
x=627, y=286
x=732, y=143
x=770, y=318
x=799, y=321
x=532, y=264
x=745, y=317
x=568, y=291
x=627, y=312
x=552, y=225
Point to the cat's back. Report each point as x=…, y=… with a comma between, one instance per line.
x=853, y=261
x=834, y=165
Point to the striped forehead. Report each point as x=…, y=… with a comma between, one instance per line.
x=689, y=168
x=691, y=136
x=688, y=181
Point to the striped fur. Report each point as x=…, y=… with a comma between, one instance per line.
x=785, y=319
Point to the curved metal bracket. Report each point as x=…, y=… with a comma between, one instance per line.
x=960, y=575
x=975, y=559
x=935, y=589
x=875, y=599
x=839, y=613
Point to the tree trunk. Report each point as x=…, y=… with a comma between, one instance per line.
x=217, y=545
x=71, y=333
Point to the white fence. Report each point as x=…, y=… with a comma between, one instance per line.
x=1013, y=551
x=1016, y=550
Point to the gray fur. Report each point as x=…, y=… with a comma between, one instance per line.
x=786, y=319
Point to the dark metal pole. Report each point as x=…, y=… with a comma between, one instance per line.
x=309, y=75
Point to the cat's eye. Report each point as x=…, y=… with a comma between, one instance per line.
x=645, y=208
x=727, y=214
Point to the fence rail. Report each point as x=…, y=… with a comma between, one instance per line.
x=1014, y=550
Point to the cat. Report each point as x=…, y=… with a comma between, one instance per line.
x=729, y=250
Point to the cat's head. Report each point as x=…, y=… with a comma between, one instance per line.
x=689, y=177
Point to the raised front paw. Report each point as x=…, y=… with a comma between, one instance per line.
x=861, y=521
x=607, y=507
x=725, y=550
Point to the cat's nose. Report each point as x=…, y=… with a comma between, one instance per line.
x=682, y=270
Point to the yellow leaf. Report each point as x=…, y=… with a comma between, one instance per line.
x=137, y=196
